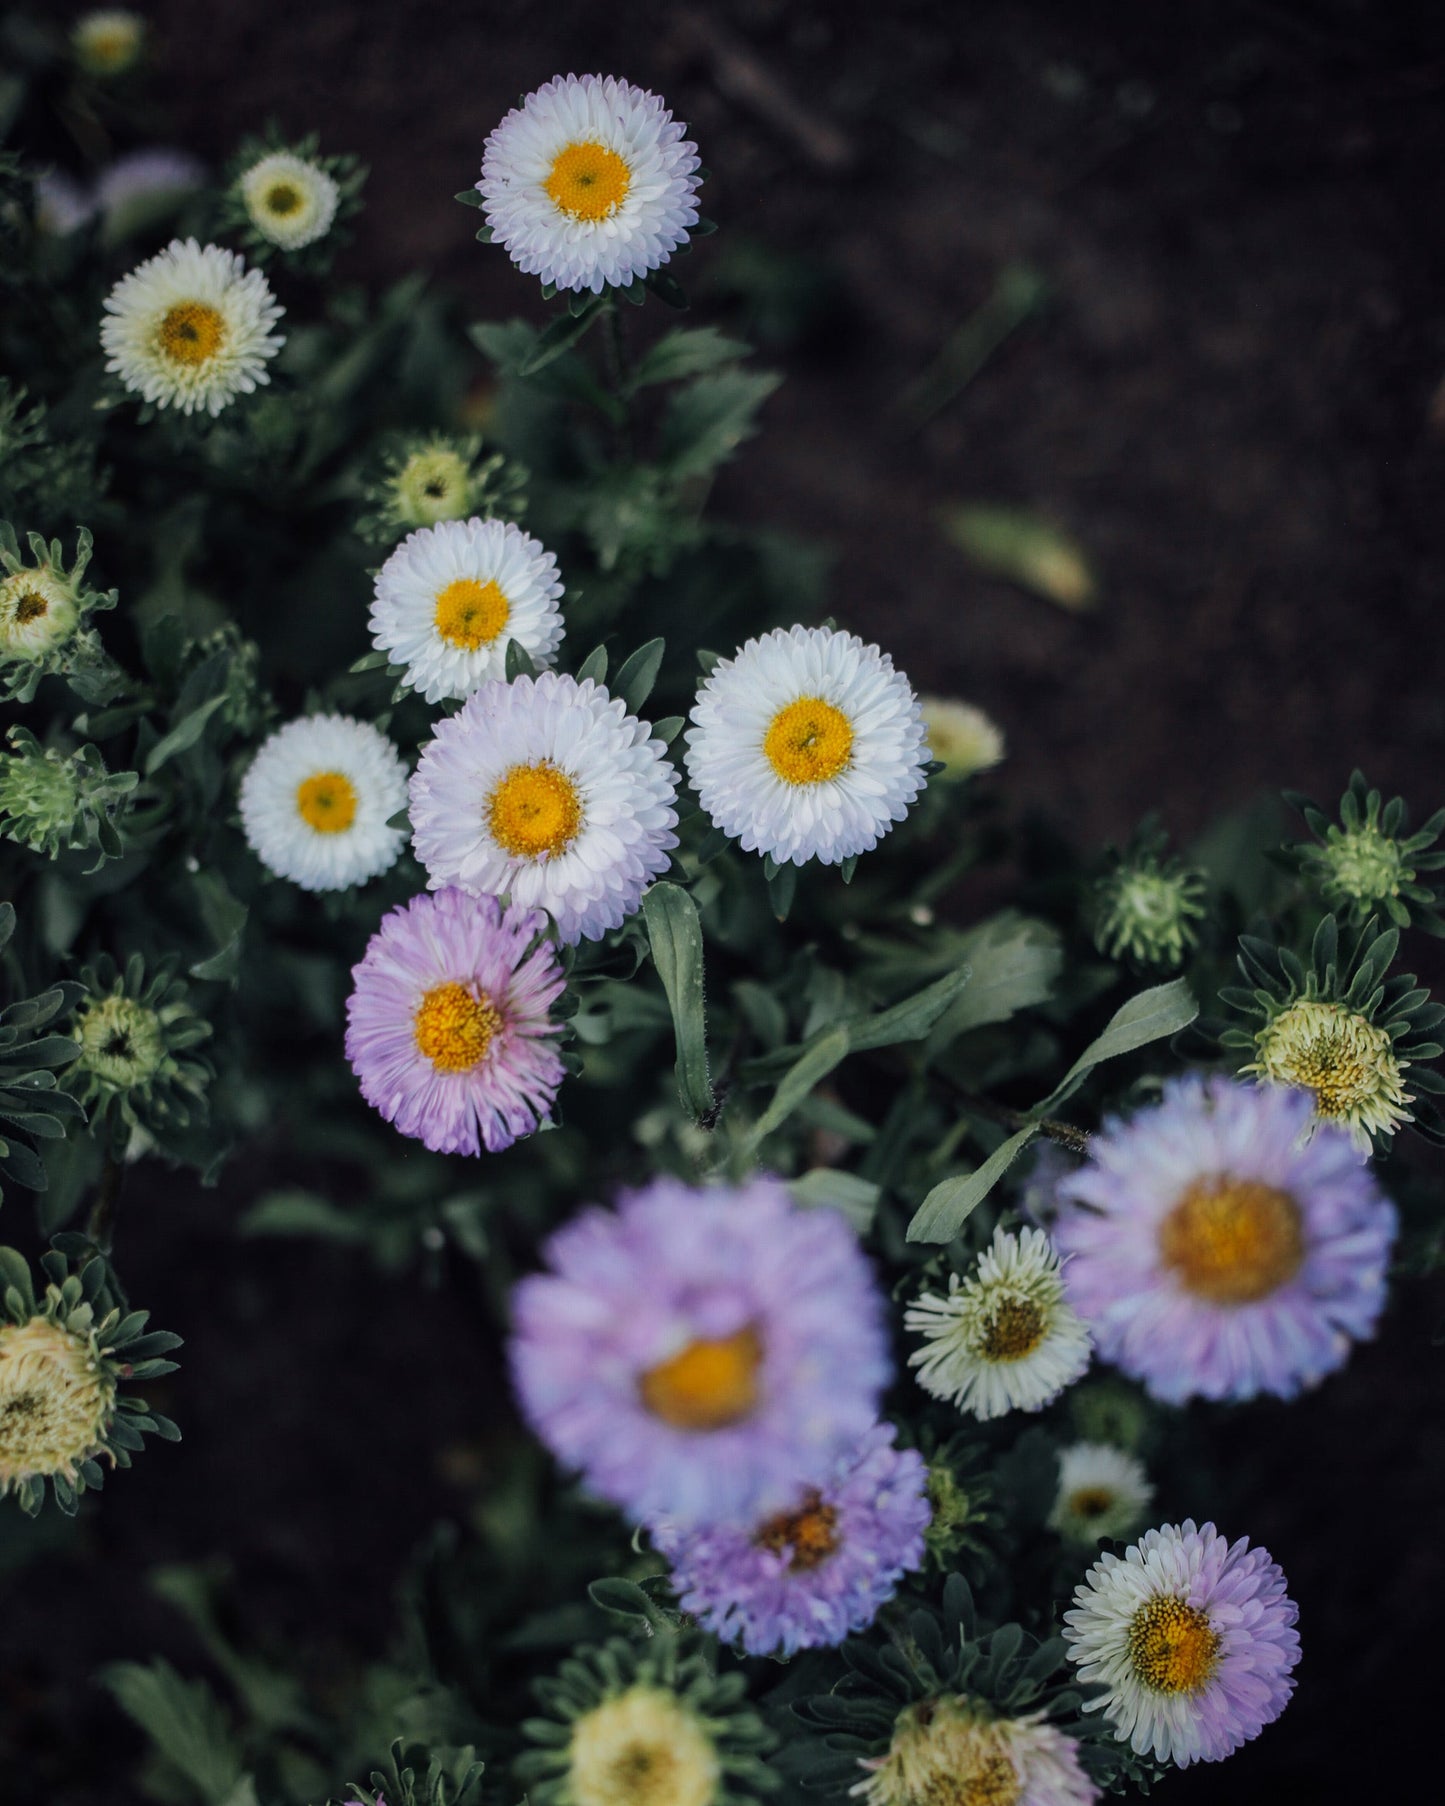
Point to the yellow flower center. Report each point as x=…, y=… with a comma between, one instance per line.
x=1233, y=1241
x=588, y=181
x=1172, y=1647
x=454, y=1027
x=31, y=606
x=470, y=613
x=641, y=1748
x=327, y=802
x=808, y=1535
x=55, y=1400
x=707, y=1385
x=809, y=741
x=1348, y=1062
x=192, y=332
x=1090, y=1501
x=1014, y=1329
x=283, y=198
x=534, y=812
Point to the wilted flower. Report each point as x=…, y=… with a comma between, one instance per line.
x=423, y=481
x=1192, y=1638
x=43, y=612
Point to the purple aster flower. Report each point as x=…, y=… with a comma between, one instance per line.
x=1216, y=1249
x=1192, y=1637
x=447, y=1023
x=804, y=1577
x=701, y=1355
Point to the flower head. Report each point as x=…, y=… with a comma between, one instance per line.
x=1147, y=904
x=452, y=598
x=1193, y=1639
x=108, y=41
x=654, y=1727
x=1005, y=1338
x=447, y=1023
x=548, y=790
x=1217, y=1251
x=1103, y=1492
x=290, y=200
x=1369, y=863
x=44, y=609
x=62, y=205
x=1346, y=1062
x=589, y=183
x=808, y=1575
x=806, y=744
x=52, y=800
x=317, y=800
x=701, y=1355
x=953, y=1750
x=137, y=1068
x=191, y=328
x=422, y=481
x=962, y=736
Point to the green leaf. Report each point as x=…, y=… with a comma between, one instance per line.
x=949, y=1205
x=826, y=1187
x=668, y=728
x=297, y=1212
x=782, y=883
x=707, y=421
x=1160, y=1011
x=911, y=1019
x=1016, y=962
x=634, y=681
x=683, y=353
x=675, y=934
x=183, y=736
x=560, y=336
x=185, y=1722
x=828, y=1051
x=518, y=661
x=594, y=666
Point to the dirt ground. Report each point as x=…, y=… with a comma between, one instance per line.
x=1233, y=402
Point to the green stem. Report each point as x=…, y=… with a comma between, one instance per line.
x=619, y=377
x=1065, y=1134
x=100, y=1225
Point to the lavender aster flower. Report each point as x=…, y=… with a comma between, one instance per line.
x=806, y=1576
x=1219, y=1253
x=1194, y=1639
x=700, y=1355
x=447, y=1022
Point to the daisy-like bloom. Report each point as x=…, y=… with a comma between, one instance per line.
x=806, y=1576
x=108, y=42
x=962, y=736
x=1346, y=1061
x=951, y=1752
x=191, y=328
x=1103, y=1492
x=317, y=798
x=806, y=744
x=1221, y=1251
x=1194, y=1639
x=56, y=1401
x=40, y=609
x=547, y=789
x=589, y=183
x=290, y=200
x=451, y=598
x=700, y=1355
x=447, y=1023
x=1005, y=1338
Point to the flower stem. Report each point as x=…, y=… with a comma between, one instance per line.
x=100, y=1225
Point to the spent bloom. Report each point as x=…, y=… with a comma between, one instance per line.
x=819, y=1569
x=44, y=610
x=191, y=328
x=453, y=597
x=1005, y=1338
x=1192, y=1639
x=1146, y=906
x=953, y=1749
x=52, y=800
x=701, y=1355
x=317, y=798
x=590, y=183
x=422, y=480
x=962, y=736
x=1346, y=1062
x=447, y=1023
x=1103, y=1493
x=546, y=789
x=1218, y=1250
x=806, y=744
x=137, y=1066
x=290, y=200
x=1369, y=862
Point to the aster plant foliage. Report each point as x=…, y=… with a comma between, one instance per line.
x=511, y=860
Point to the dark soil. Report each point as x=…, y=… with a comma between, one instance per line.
x=1233, y=404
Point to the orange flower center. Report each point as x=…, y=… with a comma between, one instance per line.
x=808, y=741
x=706, y=1385
x=1172, y=1646
x=454, y=1027
x=470, y=613
x=327, y=802
x=534, y=812
x=1233, y=1241
x=588, y=181
x=192, y=332
x=808, y=1535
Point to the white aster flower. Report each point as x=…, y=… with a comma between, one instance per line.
x=451, y=597
x=589, y=183
x=1004, y=1339
x=290, y=200
x=806, y=744
x=547, y=790
x=951, y=1751
x=191, y=327
x=962, y=736
x=317, y=798
x=1103, y=1492
x=108, y=42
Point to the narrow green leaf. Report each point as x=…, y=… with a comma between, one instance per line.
x=469, y=197
x=782, y=886
x=634, y=681
x=911, y=1019
x=828, y=1188
x=185, y=1722
x=707, y=421
x=683, y=353
x=828, y=1051
x=949, y=1205
x=183, y=736
x=675, y=933
x=559, y=337
x=1160, y=1011
x=519, y=662
x=594, y=666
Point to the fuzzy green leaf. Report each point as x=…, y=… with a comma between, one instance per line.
x=683, y=353
x=707, y=421
x=1160, y=1011
x=949, y=1205
x=675, y=934
x=185, y=1722
x=828, y=1051
x=638, y=674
